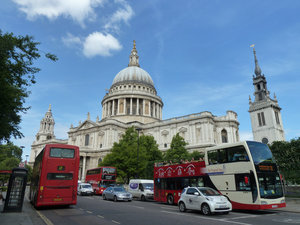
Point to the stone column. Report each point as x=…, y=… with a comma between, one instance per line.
x=83, y=169
x=118, y=106
x=109, y=108
x=130, y=106
x=125, y=106
x=137, y=106
x=113, y=108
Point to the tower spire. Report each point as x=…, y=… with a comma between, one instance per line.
x=134, y=58
x=257, y=70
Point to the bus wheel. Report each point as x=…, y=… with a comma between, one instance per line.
x=182, y=207
x=205, y=209
x=170, y=199
x=115, y=199
x=143, y=198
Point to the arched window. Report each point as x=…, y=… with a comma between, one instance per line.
x=265, y=140
x=224, y=136
x=87, y=139
x=99, y=161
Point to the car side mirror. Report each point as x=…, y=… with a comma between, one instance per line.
x=196, y=193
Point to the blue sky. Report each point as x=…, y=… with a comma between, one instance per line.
x=197, y=53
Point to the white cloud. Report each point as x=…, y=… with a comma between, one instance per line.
x=121, y=15
x=100, y=44
x=71, y=40
x=78, y=10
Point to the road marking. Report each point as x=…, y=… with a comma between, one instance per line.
x=89, y=212
x=115, y=222
x=207, y=218
x=81, y=209
x=44, y=218
x=139, y=207
x=100, y=216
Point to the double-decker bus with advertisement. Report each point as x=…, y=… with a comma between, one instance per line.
x=55, y=176
x=245, y=172
x=100, y=178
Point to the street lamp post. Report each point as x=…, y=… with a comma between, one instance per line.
x=138, y=149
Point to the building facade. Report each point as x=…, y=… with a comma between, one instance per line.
x=132, y=100
x=264, y=111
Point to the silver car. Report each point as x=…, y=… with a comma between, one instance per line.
x=205, y=199
x=116, y=194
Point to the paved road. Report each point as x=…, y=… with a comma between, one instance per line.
x=93, y=210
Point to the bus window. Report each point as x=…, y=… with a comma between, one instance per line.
x=62, y=153
x=212, y=157
x=236, y=154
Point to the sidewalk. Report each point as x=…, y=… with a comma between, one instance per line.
x=29, y=216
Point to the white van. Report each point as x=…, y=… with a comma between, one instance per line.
x=141, y=189
x=85, y=189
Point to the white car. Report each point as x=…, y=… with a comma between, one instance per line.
x=85, y=189
x=205, y=199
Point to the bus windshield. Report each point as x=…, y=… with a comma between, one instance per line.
x=269, y=185
x=260, y=153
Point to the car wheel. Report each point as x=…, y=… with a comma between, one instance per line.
x=115, y=199
x=170, y=199
x=205, y=209
x=103, y=196
x=182, y=207
x=143, y=198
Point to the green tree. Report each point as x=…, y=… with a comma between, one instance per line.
x=177, y=150
x=124, y=156
x=287, y=156
x=17, y=54
x=10, y=157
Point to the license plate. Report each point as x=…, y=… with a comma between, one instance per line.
x=274, y=206
x=57, y=199
x=222, y=206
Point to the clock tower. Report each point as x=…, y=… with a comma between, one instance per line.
x=264, y=111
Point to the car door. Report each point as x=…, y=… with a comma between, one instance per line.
x=108, y=193
x=192, y=199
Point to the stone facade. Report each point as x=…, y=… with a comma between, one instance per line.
x=132, y=100
x=265, y=115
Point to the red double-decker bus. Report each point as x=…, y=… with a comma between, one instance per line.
x=55, y=176
x=100, y=178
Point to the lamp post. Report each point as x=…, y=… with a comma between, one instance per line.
x=138, y=149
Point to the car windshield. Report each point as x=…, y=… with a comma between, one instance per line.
x=208, y=192
x=86, y=186
x=119, y=189
x=148, y=186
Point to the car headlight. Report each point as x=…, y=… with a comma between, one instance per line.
x=209, y=198
x=264, y=203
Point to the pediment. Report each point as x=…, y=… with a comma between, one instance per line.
x=86, y=124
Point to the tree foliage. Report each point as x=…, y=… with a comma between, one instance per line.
x=17, y=55
x=10, y=157
x=177, y=150
x=124, y=155
x=287, y=156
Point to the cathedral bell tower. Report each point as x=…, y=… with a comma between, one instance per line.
x=265, y=113
x=46, y=131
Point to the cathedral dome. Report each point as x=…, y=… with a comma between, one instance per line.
x=133, y=74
